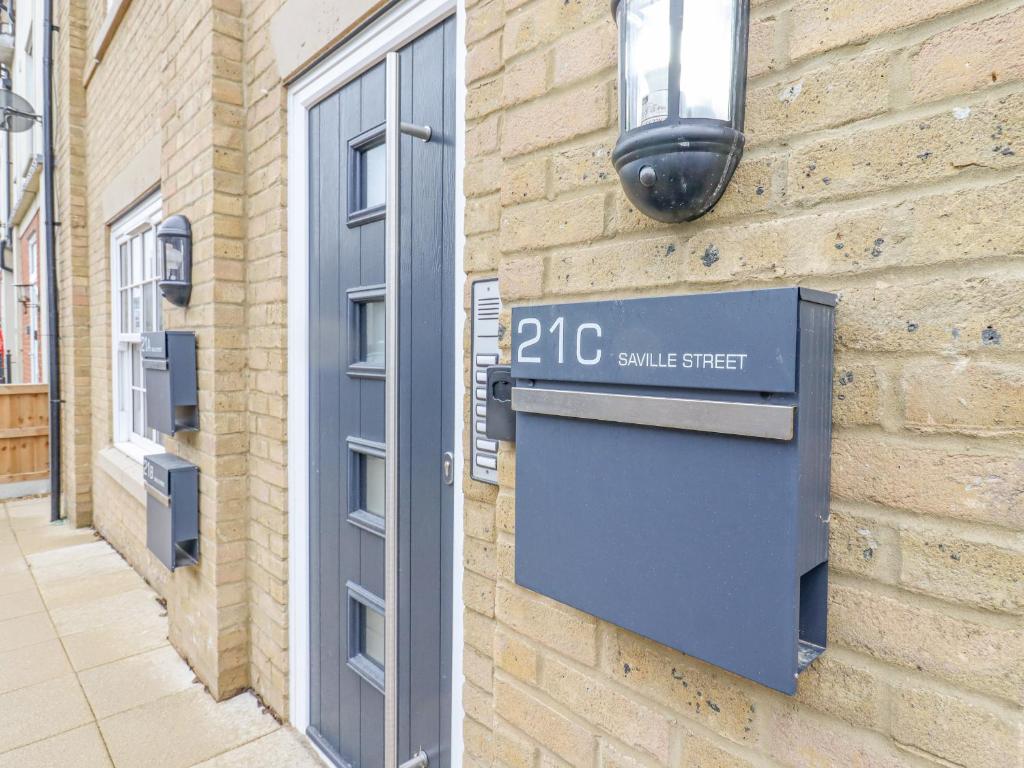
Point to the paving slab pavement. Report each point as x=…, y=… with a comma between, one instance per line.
x=88, y=678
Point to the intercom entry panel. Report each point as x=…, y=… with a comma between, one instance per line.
x=672, y=469
x=486, y=335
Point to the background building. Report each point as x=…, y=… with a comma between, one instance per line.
x=883, y=164
x=23, y=292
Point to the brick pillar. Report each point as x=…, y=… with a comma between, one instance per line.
x=203, y=163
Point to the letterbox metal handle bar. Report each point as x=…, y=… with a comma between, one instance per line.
x=154, y=365
x=771, y=422
x=163, y=498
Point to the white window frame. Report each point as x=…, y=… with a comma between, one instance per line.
x=145, y=215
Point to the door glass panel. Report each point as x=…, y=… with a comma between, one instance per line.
x=372, y=168
x=372, y=329
x=372, y=641
x=373, y=485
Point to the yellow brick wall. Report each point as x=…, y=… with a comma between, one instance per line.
x=882, y=163
x=266, y=260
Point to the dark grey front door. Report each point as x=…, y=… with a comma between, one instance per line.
x=348, y=376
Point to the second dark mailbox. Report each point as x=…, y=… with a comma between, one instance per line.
x=672, y=469
x=169, y=367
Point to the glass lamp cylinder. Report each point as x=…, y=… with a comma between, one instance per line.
x=682, y=85
x=707, y=59
x=644, y=63
x=174, y=259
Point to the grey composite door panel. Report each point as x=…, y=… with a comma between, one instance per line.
x=347, y=413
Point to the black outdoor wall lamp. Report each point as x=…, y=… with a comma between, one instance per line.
x=682, y=92
x=175, y=238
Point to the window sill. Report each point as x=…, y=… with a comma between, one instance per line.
x=124, y=469
x=103, y=38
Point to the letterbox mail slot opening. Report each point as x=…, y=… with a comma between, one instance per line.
x=169, y=369
x=672, y=470
x=172, y=510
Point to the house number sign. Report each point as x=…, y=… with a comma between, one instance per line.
x=745, y=342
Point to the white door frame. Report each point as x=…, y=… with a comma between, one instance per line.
x=390, y=31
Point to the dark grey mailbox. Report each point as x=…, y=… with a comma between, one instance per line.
x=172, y=510
x=672, y=469
x=169, y=366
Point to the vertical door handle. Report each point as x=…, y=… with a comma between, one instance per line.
x=393, y=130
x=392, y=134
x=448, y=467
x=419, y=760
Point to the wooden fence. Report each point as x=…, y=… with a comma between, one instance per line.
x=24, y=432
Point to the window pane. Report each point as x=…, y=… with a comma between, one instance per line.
x=148, y=296
x=125, y=272
x=136, y=355
x=706, y=53
x=372, y=166
x=137, y=259
x=373, y=485
x=125, y=301
x=372, y=327
x=136, y=309
x=372, y=640
x=138, y=427
x=149, y=249
x=123, y=386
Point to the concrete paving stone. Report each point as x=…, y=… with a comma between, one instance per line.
x=16, y=582
x=39, y=504
x=67, y=555
x=50, y=537
x=77, y=569
x=20, y=603
x=11, y=559
x=30, y=522
x=81, y=748
x=181, y=730
x=6, y=534
x=103, y=645
x=283, y=748
x=137, y=680
x=32, y=664
x=28, y=509
x=127, y=607
x=67, y=593
x=40, y=711
x=26, y=630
